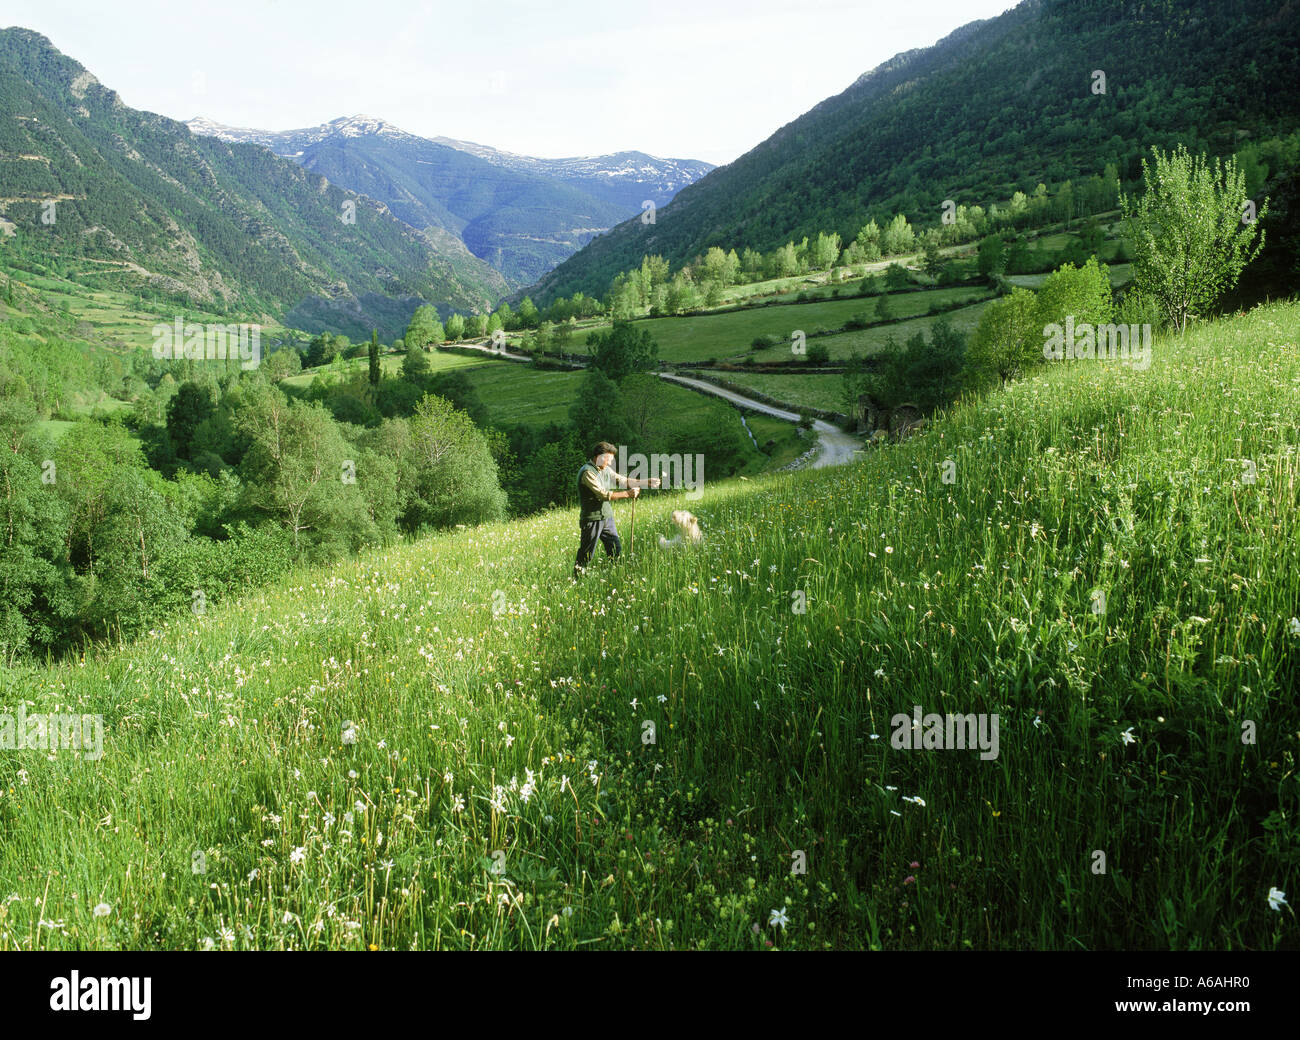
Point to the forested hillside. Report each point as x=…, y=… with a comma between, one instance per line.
x=521, y=214
x=153, y=208
x=995, y=107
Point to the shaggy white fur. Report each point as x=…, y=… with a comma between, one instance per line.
x=689, y=527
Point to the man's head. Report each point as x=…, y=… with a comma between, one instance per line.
x=602, y=454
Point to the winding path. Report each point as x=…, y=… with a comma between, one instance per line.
x=837, y=446
x=492, y=351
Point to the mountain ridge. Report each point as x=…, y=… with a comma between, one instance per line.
x=216, y=224
x=521, y=214
x=994, y=107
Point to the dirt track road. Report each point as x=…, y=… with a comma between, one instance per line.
x=837, y=446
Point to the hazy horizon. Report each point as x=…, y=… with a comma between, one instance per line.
x=603, y=79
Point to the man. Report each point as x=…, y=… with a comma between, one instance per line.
x=596, y=520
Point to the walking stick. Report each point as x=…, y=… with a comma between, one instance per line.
x=631, y=541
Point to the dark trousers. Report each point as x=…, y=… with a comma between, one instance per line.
x=602, y=531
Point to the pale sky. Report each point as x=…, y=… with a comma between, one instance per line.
x=694, y=79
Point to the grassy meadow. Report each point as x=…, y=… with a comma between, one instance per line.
x=449, y=744
x=515, y=393
x=801, y=390
x=730, y=334
x=1120, y=275
x=116, y=318
x=843, y=345
x=342, y=369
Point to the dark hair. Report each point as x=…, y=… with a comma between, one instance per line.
x=603, y=448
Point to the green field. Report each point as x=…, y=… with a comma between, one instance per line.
x=515, y=393
x=802, y=390
x=56, y=428
x=92, y=402
x=1120, y=274
x=731, y=334
x=816, y=282
x=448, y=744
x=390, y=364
x=1053, y=243
x=518, y=394
x=843, y=345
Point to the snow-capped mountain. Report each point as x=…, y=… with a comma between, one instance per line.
x=620, y=175
x=520, y=213
x=291, y=143
x=624, y=178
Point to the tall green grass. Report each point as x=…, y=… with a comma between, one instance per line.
x=499, y=708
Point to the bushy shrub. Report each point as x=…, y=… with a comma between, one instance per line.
x=925, y=373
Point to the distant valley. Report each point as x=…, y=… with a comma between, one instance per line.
x=521, y=214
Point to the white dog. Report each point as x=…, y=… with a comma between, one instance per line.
x=689, y=527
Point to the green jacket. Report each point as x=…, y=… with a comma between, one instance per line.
x=593, y=494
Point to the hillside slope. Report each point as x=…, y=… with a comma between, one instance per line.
x=996, y=106
x=448, y=744
x=149, y=206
